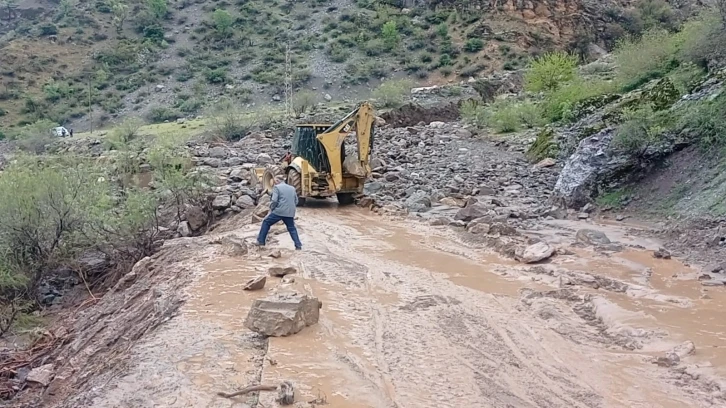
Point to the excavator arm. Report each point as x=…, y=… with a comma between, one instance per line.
x=361, y=119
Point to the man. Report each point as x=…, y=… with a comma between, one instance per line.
x=282, y=208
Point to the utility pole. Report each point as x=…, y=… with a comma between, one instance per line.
x=90, y=106
x=288, y=82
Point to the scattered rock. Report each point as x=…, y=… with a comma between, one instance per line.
x=234, y=246
x=473, y=211
x=221, y=202
x=535, y=253
x=41, y=375
x=218, y=152
x=547, y=162
x=502, y=229
x=673, y=357
x=591, y=237
x=283, y=314
x=479, y=228
x=245, y=202
x=662, y=253
x=275, y=254
x=263, y=158
x=256, y=283
x=196, y=217
x=280, y=271
x=184, y=229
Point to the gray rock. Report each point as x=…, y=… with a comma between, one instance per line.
x=218, y=152
x=418, y=202
x=591, y=237
x=373, y=187
x=479, y=228
x=184, y=229
x=234, y=246
x=42, y=375
x=263, y=158
x=283, y=314
x=473, y=211
x=221, y=202
x=502, y=229
x=535, y=253
x=279, y=272
x=257, y=283
x=196, y=217
x=245, y=202
x=662, y=253
x=212, y=162
x=238, y=175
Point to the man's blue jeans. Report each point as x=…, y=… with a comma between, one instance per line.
x=273, y=219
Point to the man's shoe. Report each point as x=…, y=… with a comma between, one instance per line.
x=298, y=248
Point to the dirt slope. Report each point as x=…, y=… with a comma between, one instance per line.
x=413, y=316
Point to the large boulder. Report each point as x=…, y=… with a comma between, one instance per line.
x=283, y=314
x=245, y=202
x=196, y=217
x=535, y=253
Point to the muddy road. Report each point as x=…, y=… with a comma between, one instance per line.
x=417, y=316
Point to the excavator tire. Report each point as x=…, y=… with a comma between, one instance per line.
x=268, y=178
x=345, y=198
x=295, y=179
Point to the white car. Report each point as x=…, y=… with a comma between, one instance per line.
x=60, y=131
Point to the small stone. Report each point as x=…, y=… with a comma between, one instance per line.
x=275, y=254
x=502, y=229
x=479, y=228
x=280, y=271
x=327, y=97
x=256, y=283
x=583, y=216
x=264, y=158
x=547, y=162
x=234, y=246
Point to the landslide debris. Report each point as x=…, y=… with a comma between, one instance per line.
x=283, y=314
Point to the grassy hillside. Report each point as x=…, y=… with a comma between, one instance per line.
x=80, y=62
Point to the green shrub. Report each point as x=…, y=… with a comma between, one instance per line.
x=338, y=53
x=391, y=37
x=641, y=128
x=34, y=137
x=48, y=29
x=650, y=57
x=502, y=116
x=392, y=93
x=442, y=30
x=216, y=76
x=303, y=101
x=375, y=47
x=162, y=114
x=549, y=71
x=232, y=123
x=223, y=22
x=656, y=14
x=473, y=45
x=560, y=104
x=127, y=131
x=706, y=122
x=703, y=40
x=445, y=60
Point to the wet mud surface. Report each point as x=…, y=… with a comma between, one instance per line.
x=414, y=316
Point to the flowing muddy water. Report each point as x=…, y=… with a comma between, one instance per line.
x=414, y=318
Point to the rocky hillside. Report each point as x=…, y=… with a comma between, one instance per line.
x=81, y=63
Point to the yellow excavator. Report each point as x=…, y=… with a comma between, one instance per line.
x=317, y=165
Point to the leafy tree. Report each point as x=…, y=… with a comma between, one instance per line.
x=302, y=101
x=223, y=22
x=547, y=72
x=120, y=14
x=390, y=34
x=158, y=8
x=473, y=45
